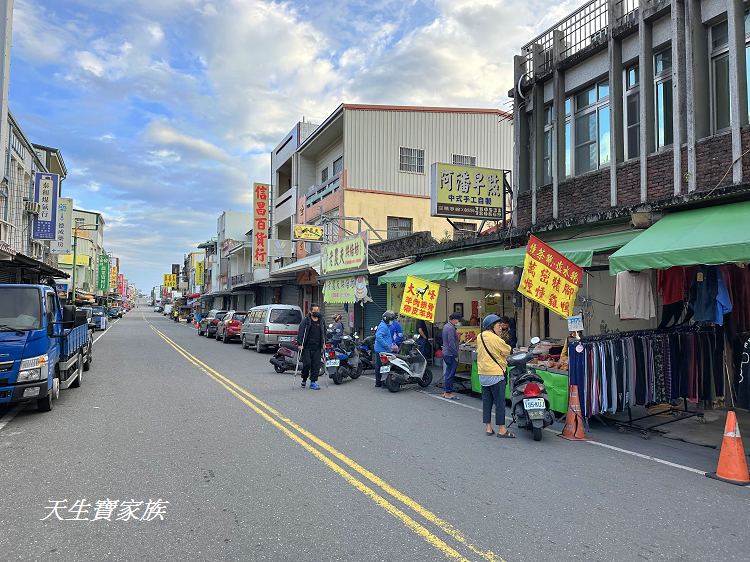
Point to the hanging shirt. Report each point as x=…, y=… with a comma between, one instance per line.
x=671, y=284
x=703, y=291
x=634, y=298
x=723, y=302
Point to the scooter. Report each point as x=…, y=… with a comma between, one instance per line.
x=408, y=366
x=366, y=348
x=285, y=358
x=343, y=360
x=529, y=403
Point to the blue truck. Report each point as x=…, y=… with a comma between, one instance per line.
x=44, y=346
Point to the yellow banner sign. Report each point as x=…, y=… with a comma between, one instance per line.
x=200, y=269
x=308, y=232
x=170, y=280
x=419, y=299
x=340, y=291
x=113, y=272
x=348, y=255
x=467, y=191
x=549, y=278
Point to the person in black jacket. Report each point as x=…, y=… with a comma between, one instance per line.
x=311, y=338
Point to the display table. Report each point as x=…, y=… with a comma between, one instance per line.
x=556, y=384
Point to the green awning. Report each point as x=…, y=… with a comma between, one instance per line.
x=578, y=250
x=708, y=236
x=433, y=269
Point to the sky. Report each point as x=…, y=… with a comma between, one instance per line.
x=166, y=111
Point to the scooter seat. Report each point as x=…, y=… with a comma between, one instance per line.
x=288, y=345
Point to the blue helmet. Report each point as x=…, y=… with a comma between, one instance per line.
x=489, y=321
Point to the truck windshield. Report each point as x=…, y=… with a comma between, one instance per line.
x=20, y=308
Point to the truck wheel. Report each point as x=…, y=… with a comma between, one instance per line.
x=87, y=363
x=79, y=374
x=47, y=403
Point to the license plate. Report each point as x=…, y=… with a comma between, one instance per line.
x=385, y=368
x=332, y=363
x=534, y=404
x=285, y=338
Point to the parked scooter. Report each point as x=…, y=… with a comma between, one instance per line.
x=366, y=353
x=529, y=403
x=285, y=358
x=343, y=359
x=408, y=366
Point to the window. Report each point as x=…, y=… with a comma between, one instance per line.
x=461, y=160
x=398, y=227
x=632, y=113
x=720, y=76
x=285, y=316
x=411, y=160
x=17, y=145
x=338, y=165
x=663, y=98
x=591, y=128
x=568, y=137
x=547, y=148
x=324, y=175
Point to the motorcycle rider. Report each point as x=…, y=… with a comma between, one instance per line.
x=337, y=332
x=312, y=337
x=492, y=364
x=383, y=342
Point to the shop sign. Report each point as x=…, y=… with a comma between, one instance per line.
x=360, y=289
x=103, y=277
x=175, y=269
x=260, y=225
x=279, y=248
x=63, y=243
x=307, y=277
x=308, y=233
x=170, y=280
x=200, y=270
x=466, y=191
x=113, y=272
x=575, y=323
x=348, y=255
x=339, y=291
x=122, y=284
x=419, y=299
x=549, y=278
x=46, y=187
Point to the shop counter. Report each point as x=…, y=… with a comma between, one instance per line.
x=556, y=383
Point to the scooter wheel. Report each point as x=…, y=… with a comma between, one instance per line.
x=356, y=373
x=537, y=433
x=391, y=384
x=337, y=377
x=278, y=369
x=426, y=379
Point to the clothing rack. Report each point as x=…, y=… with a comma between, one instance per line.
x=678, y=414
x=650, y=332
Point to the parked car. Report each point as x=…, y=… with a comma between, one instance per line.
x=100, y=317
x=89, y=316
x=269, y=325
x=230, y=326
x=114, y=312
x=210, y=322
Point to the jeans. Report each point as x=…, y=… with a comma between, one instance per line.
x=422, y=344
x=311, y=363
x=494, y=394
x=451, y=364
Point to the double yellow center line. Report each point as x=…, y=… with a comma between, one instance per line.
x=327, y=454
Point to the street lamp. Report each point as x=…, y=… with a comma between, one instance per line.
x=78, y=226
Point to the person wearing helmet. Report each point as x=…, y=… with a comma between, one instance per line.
x=492, y=363
x=383, y=342
x=337, y=331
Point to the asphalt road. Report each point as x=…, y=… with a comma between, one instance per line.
x=254, y=468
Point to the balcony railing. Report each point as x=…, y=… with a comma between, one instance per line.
x=316, y=193
x=582, y=29
x=241, y=279
x=6, y=238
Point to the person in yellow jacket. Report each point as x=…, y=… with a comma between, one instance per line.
x=492, y=364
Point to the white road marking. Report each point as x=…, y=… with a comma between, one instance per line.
x=5, y=420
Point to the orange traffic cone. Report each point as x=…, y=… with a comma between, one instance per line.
x=573, y=430
x=732, y=461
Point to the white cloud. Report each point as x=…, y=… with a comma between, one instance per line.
x=160, y=132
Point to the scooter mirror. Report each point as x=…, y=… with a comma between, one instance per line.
x=535, y=340
x=416, y=337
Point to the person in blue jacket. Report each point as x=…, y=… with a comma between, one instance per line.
x=383, y=342
x=397, y=333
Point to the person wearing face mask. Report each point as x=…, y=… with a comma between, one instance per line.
x=311, y=337
x=383, y=342
x=492, y=363
x=450, y=354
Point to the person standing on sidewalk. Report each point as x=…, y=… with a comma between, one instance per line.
x=450, y=354
x=383, y=342
x=312, y=337
x=492, y=364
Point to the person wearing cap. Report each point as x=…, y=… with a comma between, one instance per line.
x=337, y=331
x=450, y=354
x=492, y=363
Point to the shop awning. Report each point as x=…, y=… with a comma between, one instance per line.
x=708, y=236
x=374, y=269
x=433, y=269
x=578, y=250
x=312, y=262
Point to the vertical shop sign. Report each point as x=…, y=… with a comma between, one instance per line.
x=549, y=278
x=46, y=187
x=121, y=284
x=199, y=272
x=63, y=243
x=260, y=225
x=113, y=272
x=419, y=299
x=103, y=277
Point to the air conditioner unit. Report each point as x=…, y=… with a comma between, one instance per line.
x=31, y=207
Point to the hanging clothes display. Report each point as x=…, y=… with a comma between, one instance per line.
x=634, y=298
x=617, y=371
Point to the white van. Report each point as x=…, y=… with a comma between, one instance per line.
x=269, y=325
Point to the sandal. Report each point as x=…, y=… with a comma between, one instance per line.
x=451, y=398
x=506, y=435
x=489, y=433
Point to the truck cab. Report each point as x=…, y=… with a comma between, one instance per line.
x=44, y=347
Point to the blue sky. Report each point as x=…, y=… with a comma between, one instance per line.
x=166, y=110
